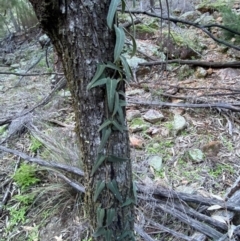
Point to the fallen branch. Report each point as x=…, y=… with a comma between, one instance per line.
x=161, y=104
x=41, y=162
x=33, y=74
x=201, y=227
x=168, y=193
x=234, y=64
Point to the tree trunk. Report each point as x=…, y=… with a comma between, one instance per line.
x=79, y=32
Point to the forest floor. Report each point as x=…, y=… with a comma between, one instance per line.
x=43, y=207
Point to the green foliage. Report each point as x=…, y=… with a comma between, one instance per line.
x=25, y=176
x=230, y=20
x=35, y=144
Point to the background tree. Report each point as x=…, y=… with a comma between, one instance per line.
x=16, y=16
x=79, y=32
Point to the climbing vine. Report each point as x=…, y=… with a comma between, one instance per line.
x=116, y=122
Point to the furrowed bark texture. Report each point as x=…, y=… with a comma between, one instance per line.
x=82, y=39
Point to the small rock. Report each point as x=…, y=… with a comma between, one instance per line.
x=132, y=114
x=179, y=123
x=155, y=162
x=15, y=66
x=209, y=71
x=200, y=72
x=135, y=92
x=212, y=148
x=191, y=16
x=153, y=116
x=185, y=189
x=136, y=142
x=196, y=155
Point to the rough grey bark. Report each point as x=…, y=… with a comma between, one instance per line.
x=82, y=39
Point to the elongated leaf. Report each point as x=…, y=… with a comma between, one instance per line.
x=122, y=103
x=134, y=44
x=99, y=82
x=111, y=214
x=127, y=202
x=113, y=66
x=126, y=67
x=112, y=186
x=112, y=158
x=121, y=116
x=108, y=235
x=100, y=69
x=111, y=90
x=100, y=216
x=124, y=235
x=99, y=161
x=123, y=6
x=118, y=126
x=106, y=123
x=99, y=232
x=120, y=92
x=98, y=190
x=116, y=104
x=111, y=12
x=120, y=40
x=104, y=140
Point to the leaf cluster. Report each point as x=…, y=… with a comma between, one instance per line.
x=25, y=176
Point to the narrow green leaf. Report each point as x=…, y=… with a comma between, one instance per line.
x=100, y=231
x=111, y=12
x=104, y=140
x=120, y=92
x=98, y=190
x=113, y=66
x=111, y=89
x=99, y=161
x=121, y=116
x=99, y=82
x=124, y=235
x=112, y=186
x=100, y=69
x=123, y=6
x=111, y=214
x=112, y=158
x=122, y=103
x=116, y=104
x=126, y=67
x=127, y=202
x=108, y=235
x=100, y=216
x=120, y=40
x=134, y=44
x=118, y=126
x=106, y=123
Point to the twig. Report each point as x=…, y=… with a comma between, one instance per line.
x=73, y=184
x=185, y=105
x=173, y=232
x=202, y=27
x=201, y=227
x=33, y=74
x=41, y=162
x=168, y=193
x=234, y=64
x=143, y=234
